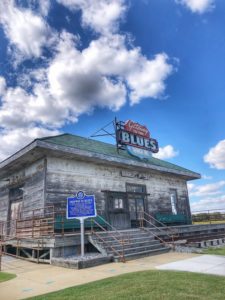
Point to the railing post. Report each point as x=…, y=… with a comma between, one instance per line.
x=38, y=253
x=92, y=225
x=16, y=228
x=32, y=224
x=62, y=225
x=53, y=220
x=123, y=250
x=209, y=217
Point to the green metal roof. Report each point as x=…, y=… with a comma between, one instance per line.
x=99, y=147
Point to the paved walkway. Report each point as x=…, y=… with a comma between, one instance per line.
x=33, y=279
x=207, y=264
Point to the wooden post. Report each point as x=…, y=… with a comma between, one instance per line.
x=17, y=254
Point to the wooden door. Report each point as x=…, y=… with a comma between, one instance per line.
x=118, y=210
x=15, y=210
x=136, y=207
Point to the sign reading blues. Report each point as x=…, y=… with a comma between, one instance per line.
x=81, y=206
x=136, y=139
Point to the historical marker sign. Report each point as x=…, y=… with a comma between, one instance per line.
x=81, y=206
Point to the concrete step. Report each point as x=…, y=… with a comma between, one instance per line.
x=109, y=236
x=131, y=245
x=122, y=232
x=129, y=231
x=143, y=254
x=137, y=243
x=130, y=240
x=135, y=250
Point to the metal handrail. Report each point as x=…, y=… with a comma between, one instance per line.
x=121, y=241
x=113, y=228
x=154, y=234
x=108, y=224
x=114, y=250
x=168, y=228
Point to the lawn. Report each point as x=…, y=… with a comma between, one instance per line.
x=149, y=285
x=208, y=222
x=216, y=251
x=6, y=276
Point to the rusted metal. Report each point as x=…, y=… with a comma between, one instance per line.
x=38, y=252
x=163, y=231
x=121, y=240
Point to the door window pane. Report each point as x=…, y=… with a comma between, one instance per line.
x=118, y=203
x=132, y=209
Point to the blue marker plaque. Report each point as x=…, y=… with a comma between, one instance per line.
x=81, y=206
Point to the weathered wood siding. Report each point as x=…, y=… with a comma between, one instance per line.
x=66, y=176
x=30, y=181
x=4, y=199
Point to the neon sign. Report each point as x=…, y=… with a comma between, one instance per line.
x=132, y=136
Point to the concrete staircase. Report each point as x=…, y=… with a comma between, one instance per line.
x=127, y=244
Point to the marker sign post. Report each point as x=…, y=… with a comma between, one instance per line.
x=81, y=207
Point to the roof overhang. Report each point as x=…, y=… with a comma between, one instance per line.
x=39, y=149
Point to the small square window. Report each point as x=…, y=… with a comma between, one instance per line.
x=118, y=203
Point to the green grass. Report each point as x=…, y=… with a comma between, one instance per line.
x=6, y=276
x=208, y=222
x=149, y=285
x=216, y=251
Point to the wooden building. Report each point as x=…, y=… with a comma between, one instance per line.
x=48, y=170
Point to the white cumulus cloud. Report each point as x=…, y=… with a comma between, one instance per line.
x=206, y=177
x=210, y=189
x=26, y=31
x=2, y=85
x=208, y=203
x=10, y=139
x=166, y=152
x=216, y=156
x=198, y=6
x=106, y=73
x=100, y=15
x=76, y=81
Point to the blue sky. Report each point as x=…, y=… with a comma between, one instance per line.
x=73, y=65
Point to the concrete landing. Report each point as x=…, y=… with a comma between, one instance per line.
x=207, y=264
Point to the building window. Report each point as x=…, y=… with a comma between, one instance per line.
x=173, y=200
x=118, y=203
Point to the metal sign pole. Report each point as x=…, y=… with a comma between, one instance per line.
x=82, y=236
